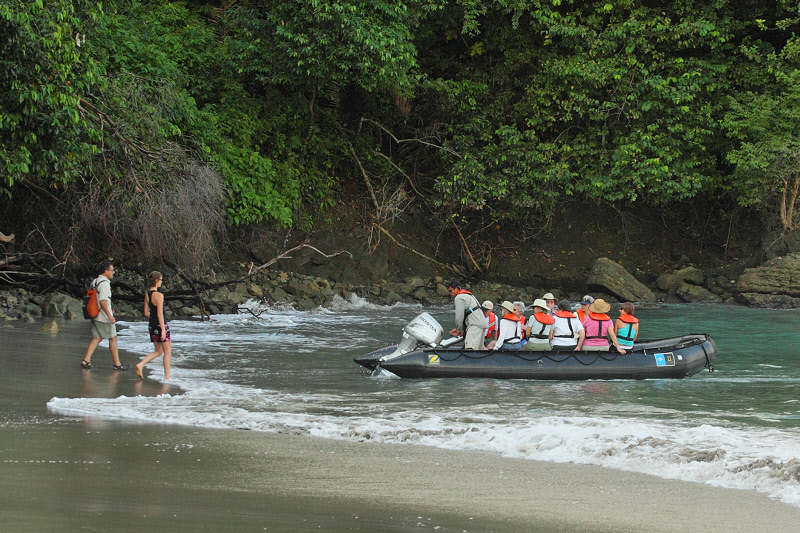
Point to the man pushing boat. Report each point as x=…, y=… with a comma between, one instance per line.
x=470, y=322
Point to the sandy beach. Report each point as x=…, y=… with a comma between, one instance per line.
x=67, y=474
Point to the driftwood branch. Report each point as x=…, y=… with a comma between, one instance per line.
x=466, y=246
x=203, y=313
x=198, y=288
x=420, y=141
x=452, y=268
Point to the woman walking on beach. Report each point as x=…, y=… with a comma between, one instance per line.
x=159, y=329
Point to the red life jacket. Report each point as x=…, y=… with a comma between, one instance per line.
x=599, y=316
x=564, y=314
x=492, y=325
x=629, y=319
x=581, y=315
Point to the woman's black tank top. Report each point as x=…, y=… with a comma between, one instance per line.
x=153, y=309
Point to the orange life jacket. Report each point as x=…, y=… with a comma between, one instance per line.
x=513, y=318
x=599, y=318
x=569, y=316
x=581, y=315
x=628, y=319
x=543, y=319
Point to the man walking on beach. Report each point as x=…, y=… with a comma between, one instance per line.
x=103, y=325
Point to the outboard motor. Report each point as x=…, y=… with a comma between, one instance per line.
x=424, y=329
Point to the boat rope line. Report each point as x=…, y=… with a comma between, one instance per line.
x=533, y=358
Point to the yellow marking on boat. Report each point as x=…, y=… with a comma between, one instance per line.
x=433, y=359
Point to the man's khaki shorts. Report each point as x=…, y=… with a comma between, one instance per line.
x=103, y=330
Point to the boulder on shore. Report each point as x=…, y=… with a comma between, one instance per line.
x=779, y=276
x=613, y=277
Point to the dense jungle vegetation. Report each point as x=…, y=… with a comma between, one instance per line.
x=155, y=128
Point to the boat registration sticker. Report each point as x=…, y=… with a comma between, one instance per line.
x=665, y=359
x=433, y=359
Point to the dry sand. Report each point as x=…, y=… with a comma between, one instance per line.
x=65, y=474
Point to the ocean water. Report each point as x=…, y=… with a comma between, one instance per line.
x=280, y=370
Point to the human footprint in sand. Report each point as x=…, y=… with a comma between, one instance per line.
x=158, y=328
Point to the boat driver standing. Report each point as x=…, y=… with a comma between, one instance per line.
x=470, y=321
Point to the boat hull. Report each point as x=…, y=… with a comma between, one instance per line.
x=676, y=357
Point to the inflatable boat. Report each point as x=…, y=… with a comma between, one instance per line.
x=422, y=354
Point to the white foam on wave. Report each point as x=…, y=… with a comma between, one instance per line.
x=761, y=459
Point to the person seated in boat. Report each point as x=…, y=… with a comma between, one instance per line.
x=539, y=327
x=599, y=328
x=550, y=300
x=470, y=321
x=510, y=335
x=586, y=301
x=567, y=332
x=491, y=322
x=519, y=307
x=626, y=326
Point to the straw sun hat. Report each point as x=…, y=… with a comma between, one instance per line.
x=599, y=306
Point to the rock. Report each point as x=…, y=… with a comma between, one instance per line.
x=255, y=290
x=777, y=276
x=392, y=298
x=57, y=305
x=773, y=301
x=441, y=290
x=668, y=282
x=421, y=295
x=414, y=283
x=691, y=275
x=613, y=276
x=304, y=304
x=696, y=293
x=278, y=295
x=49, y=327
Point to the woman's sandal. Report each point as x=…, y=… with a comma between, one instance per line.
x=86, y=364
x=121, y=368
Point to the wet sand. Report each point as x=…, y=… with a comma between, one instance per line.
x=65, y=473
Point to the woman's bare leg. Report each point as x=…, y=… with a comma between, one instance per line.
x=149, y=357
x=167, y=347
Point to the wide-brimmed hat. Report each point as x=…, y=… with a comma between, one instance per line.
x=487, y=305
x=508, y=306
x=548, y=296
x=599, y=306
x=586, y=300
x=539, y=302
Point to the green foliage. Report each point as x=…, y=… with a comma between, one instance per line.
x=767, y=128
x=502, y=108
x=45, y=68
x=311, y=44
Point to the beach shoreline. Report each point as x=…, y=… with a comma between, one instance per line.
x=70, y=473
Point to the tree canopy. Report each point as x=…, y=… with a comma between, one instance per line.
x=475, y=109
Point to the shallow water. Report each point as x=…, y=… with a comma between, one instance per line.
x=293, y=372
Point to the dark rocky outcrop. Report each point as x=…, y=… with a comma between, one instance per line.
x=776, y=283
x=777, y=276
x=614, y=278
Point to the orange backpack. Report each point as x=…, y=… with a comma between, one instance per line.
x=91, y=307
